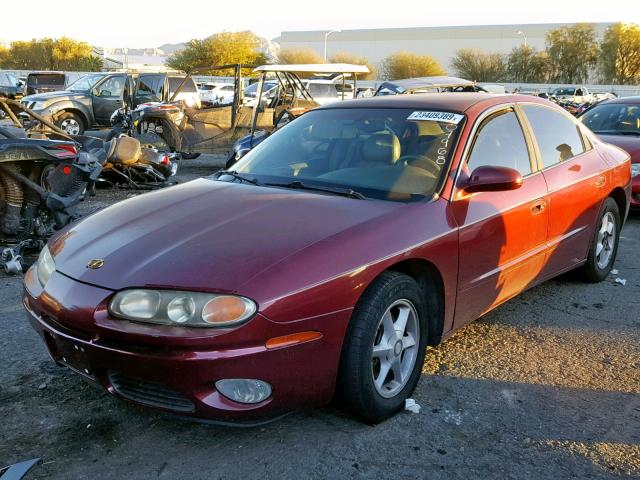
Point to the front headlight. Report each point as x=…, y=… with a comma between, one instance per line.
x=45, y=266
x=190, y=309
x=635, y=169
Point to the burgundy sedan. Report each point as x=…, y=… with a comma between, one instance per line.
x=331, y=256
x=618, y=122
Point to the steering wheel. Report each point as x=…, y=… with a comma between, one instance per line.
x=425, y=163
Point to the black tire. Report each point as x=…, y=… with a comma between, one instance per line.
x=595, y=270
x=189, y=156
x=153, y=140
x=355, y=387
x=71, y=123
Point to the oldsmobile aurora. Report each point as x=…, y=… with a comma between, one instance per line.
x=331, y=256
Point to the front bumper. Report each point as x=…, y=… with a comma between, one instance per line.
x=145, y=365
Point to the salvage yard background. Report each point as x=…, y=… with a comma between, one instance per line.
x=546, y=386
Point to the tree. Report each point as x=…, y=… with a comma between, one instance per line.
x=527, y=65
x=299, y=55
x=474, y=64
x=223, y=48
x=573, y=51
x=409, y=65
x=620, y=54
x=51, y=54
x=344, y=57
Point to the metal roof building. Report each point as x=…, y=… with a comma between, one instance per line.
x=439, y=42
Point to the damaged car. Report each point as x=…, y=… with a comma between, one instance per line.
x=332, y=254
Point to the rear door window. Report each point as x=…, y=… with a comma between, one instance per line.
x=189, y=86
x=150, y=87
x=558, y=137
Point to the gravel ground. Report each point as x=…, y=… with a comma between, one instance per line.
x=545, y=387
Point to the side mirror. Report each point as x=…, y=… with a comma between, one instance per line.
x=493, y=179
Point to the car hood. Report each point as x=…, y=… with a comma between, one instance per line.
x=629, y=143
x=203, y=235
x=51, y=96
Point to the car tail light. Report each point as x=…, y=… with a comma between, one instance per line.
x=165, y=160
x=66, y=150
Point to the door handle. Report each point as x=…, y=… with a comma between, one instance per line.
x=538, y=206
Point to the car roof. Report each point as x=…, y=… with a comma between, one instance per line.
x=634, y=100
x=449, y=101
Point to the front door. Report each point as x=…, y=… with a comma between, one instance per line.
x=502, y=235
x=108, y=96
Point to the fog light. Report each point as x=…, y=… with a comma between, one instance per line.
x=244, y=390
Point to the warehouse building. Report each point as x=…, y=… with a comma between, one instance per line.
x=439, y=42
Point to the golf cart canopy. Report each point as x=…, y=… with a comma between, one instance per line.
x=426, y=84
x=314, y=68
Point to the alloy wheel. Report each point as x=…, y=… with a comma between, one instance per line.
x=395, y=348
x=605, y=242
x=70, y=126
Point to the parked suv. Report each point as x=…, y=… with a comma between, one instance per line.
x=89, y=102
x=10, y=86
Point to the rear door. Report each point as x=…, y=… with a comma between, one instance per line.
x=577, y=185
x=108, y=96
x=502, y=234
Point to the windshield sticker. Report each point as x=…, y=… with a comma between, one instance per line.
x=445, y=117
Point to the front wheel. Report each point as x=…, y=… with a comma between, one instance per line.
x=604, y=244
x=70, y=123
x=384, y=348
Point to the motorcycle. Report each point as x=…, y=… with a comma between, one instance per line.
x=45, y=173
x=41, y=183
x=156, y=125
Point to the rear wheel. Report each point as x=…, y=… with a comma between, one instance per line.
x=70, y=123
x=384, y=348
x=153, y=140
x=604, y=244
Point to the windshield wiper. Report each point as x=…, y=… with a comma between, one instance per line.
x=345, y=192
x=239, y=176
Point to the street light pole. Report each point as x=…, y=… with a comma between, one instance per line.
x=520, y=32
x=326, y=36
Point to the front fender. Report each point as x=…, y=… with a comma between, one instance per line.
x=54, y=110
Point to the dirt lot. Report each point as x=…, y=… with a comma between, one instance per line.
x=545, y=387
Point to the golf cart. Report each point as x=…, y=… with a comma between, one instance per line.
x=208, y=130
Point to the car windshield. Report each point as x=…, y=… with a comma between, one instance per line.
x=389, y=154
x=613, y=118
x=85, y=83
x=564, y=91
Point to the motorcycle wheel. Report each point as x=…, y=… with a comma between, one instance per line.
x=153, y=140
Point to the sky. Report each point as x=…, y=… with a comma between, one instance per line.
x=136, y=24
